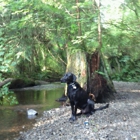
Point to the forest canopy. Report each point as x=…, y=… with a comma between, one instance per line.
x=35, y=34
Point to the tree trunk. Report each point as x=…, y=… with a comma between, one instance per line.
x=99, y=82
x=77, y=64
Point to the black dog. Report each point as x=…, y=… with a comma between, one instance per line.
x=78, y=97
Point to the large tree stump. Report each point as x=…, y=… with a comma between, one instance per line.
x=99, y=82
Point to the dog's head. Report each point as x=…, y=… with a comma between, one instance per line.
x=68, y=78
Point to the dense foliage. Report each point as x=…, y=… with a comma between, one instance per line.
x=35, y=35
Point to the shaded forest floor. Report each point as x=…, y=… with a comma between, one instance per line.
x=121, y=121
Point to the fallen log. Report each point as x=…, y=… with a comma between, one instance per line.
x=2, y=83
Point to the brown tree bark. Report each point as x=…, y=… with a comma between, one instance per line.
x=99, y=82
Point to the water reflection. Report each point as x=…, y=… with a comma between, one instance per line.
x=14, y=119
x=12, y=122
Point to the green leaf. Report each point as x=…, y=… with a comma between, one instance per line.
x=1, y=53
x=1, y=59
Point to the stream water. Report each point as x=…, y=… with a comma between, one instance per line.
x=14, y=120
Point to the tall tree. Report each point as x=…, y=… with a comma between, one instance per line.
x=76, y=61
x=90, y=74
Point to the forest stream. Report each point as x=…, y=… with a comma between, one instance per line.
x=14, y=119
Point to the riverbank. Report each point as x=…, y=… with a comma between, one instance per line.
x=120, y=121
